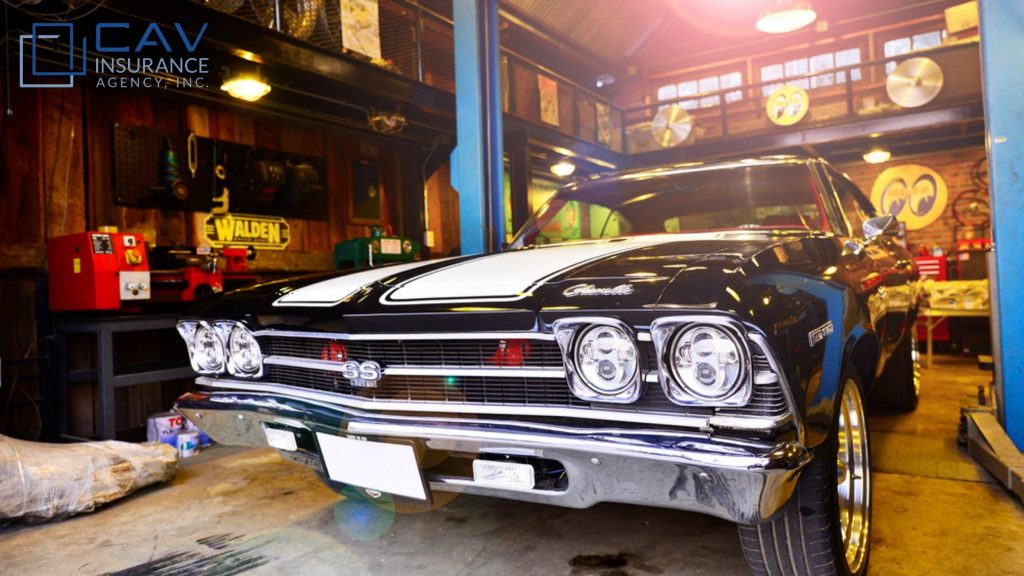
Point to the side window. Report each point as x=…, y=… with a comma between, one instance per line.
x=855, y=206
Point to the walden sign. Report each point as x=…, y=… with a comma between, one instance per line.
x=261, y=232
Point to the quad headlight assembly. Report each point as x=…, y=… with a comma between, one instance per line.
x=702, y=361
x=601, y=359
x=222, y=346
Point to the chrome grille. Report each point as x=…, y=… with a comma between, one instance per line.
x=767, y=400
x=435, y=353
x=503, y=391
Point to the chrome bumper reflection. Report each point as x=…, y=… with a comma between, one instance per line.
x=736, y=480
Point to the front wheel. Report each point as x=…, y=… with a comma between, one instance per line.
x=825, y=527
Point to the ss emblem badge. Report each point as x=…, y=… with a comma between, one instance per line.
x=361, y=374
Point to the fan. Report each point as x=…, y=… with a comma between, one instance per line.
x=227, y=6
x=671, y=126
x=298, y=18
x=915, y=82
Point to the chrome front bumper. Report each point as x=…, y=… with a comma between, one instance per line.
x=738, y=480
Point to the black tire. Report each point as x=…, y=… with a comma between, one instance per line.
x=805, y=538
x=899, y=388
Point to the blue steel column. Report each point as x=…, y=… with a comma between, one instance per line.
x=1002, y=43
x=477, y=160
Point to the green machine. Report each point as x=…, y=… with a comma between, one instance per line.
x=375, y=250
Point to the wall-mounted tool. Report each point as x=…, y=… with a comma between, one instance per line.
x=170, y=178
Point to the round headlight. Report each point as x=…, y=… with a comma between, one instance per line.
x=207, y=350
x=244, y=355
x=606, y=359
x=706, y=362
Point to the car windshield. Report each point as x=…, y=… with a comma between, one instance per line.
x=757, y=196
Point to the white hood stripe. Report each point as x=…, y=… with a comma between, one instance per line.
x=334, y=291
x=509, y=276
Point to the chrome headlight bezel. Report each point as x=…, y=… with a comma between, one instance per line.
x=666, y=334
x=222, y=332
x=235, y=332
x=191, y=332
x=568, y=333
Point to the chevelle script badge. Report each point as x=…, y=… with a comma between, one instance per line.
x=591, y=290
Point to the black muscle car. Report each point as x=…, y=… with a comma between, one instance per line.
x=701, y=337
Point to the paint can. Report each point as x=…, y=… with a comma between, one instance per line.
x=188, y=444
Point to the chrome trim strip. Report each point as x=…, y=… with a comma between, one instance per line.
x=488, y=372
x=681, y=420
x=497, y=371
x=747, y=422
x=511, y=335
x=548, y=441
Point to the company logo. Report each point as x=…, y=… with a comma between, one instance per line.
x=914, y=194
x=119, y=54
x=591, y=290
x=262, y=232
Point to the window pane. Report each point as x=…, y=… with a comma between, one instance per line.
x=847, y=58
x=667, y=92
x=796, y=67
x=926, y=40
x=820, y=63
x=773, y=72
x=687, y=88
x=897, y=46
x=732, y=80
x=708, y=85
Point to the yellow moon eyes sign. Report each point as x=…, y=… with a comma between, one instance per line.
x=787, y=105
x=914, y=194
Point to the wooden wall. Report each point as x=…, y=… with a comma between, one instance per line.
x=57, y=178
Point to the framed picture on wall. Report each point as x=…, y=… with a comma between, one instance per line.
x=367, y=195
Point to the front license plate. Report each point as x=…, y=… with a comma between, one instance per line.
x=503, y=474
x=390, y=468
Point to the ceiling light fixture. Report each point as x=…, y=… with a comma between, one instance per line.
x=877, y=156
x=248, y=87
x=786, y=16
x=563, y=168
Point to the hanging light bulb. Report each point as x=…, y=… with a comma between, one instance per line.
x=786, y=16
x=563, y=168
x=877, y=156
x=247, y=86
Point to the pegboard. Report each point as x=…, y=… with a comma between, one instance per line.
x=137, y=155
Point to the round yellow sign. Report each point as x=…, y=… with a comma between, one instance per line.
x=787, y=105
x=914, y=194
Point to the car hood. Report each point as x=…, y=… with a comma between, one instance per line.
x=672, y=270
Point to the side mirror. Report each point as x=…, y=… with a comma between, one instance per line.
x=875, y=228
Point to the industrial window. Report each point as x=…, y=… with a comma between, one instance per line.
x=703, y=86
x=820, y=65
x=907, y=44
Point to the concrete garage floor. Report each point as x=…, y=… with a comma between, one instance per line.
x=231, y=511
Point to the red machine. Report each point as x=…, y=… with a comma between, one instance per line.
x=189, y=274
x=97, y=270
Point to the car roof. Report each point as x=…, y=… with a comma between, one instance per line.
x=687, y=167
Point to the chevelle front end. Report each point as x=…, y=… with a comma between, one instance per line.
x=699, y=337
x=520, y=415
